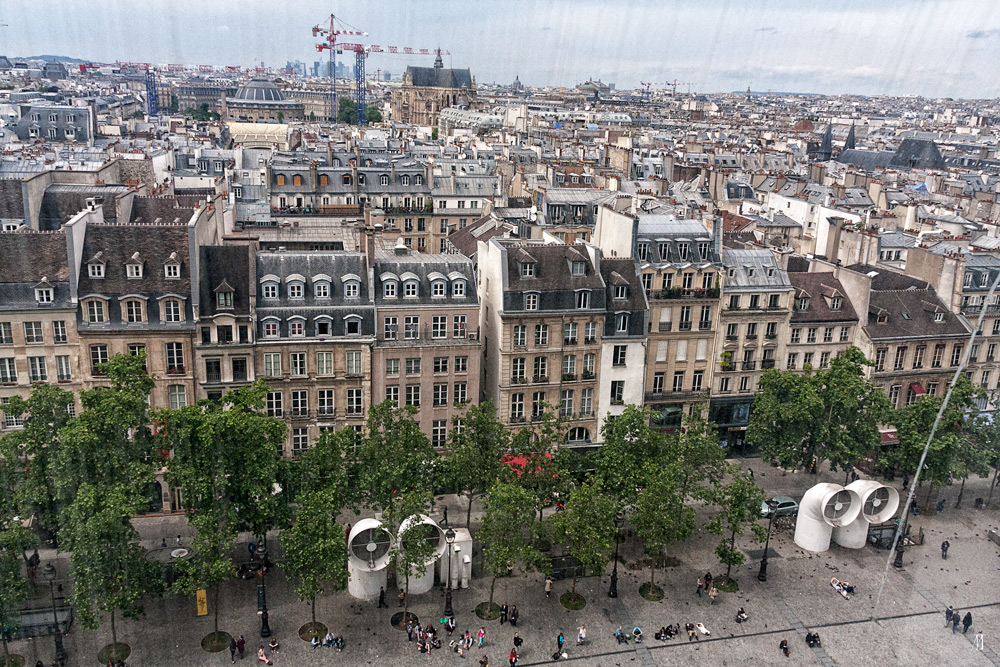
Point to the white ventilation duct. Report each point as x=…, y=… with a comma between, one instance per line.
x=878, y=503
x=823, y=508
x=368, y=547
x=423, y=583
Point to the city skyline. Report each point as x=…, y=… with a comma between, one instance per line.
x=924, y=47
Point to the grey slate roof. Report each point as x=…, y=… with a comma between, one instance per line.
x=439, y=77
x=25, y=259
x=424, y=266
x=816, y=286
x=766, y=276
x=620, y=271
x=919, y=307
x=230, y=265
x=553, y=279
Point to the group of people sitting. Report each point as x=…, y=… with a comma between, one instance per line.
x=624, y=637
x=693, y=629
x=845, y=589
x=331, y=640
x=462, y=644
x=668, y=632
x=429, y=640
x=741, y=616
x=812, y=639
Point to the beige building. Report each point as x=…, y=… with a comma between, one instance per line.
x=428, y=90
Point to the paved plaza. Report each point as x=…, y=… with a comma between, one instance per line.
x=797, y=598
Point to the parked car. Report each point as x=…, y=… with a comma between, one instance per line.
x=785, y=507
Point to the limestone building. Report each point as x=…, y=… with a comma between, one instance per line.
x=428, y=90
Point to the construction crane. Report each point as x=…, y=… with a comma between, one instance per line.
x=361, y=52
x=329, y=43
x=152, y=97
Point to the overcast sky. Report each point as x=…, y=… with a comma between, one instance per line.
x=927, y=47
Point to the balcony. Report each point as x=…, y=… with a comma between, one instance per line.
x=569, y=341
x=732, y=337
x=520, y=379
x=684, y=326
x=517, y=419
x=355, y=412
x=704, y=326
x=175, y=370
x=587, y=375
x=770, y=336
x=749, y=365
x=325, y=412
x=566, y=414
x=540, y=379
x=681, y=293
x=766, y=364
x=569, y=377
x=585, y=414
x=239, y=377
x=589, y=341
x=727, y=367
x=665, y=327
x=213, y=377
x=299, y=412
x=751, y=336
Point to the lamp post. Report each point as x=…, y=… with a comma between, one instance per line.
x=449, y=537
x=898, y=561
x=772, y=506
x=261, y=557
x=613, y=590
x=49, y=572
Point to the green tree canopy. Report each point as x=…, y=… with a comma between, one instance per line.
x=477, y=452
x=698, y=456
x=660, y=517
x=629, y=444
x=587, y=527
x=15, y=538
x=739, y=508
x=413, y=546
x=505, y=532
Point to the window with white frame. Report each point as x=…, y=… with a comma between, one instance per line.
x=458, y=288
x=172, y=311
x=95, y=312
x=8, y=371
x=133, y=270
x=269, y=290
x=583, y=300
x=410, y=288
x=354, y=362
x=172, y=271
x=273, y=404
x=439, y=326
x=531, y=301
x=296, y=328
x=63, y=370
x=321, y=289
x=438, y=288
x=37, y=372
x=324, y=402
x=390, y=327
x=177, y=396
x=33, y=333
x=300, y=439
x=352, y=289
x=300, y=402
x=134, y=311
x=7, y=335
x=389, y=289
x=297, y=361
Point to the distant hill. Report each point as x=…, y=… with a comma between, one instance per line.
x=60, y=59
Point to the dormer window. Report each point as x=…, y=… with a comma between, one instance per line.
x=939, y=317
x=583, y=300
x=438, y=288
x=297, y=327
x=458, y=288
x=967, y=282
x=43, y=294
x=389, y=288
x=172, y=271
x=751, y=272
x=621, y=322
x=682, y=251
x=224, y=299
x=642, y=252
x=984, y=279
x=297, y=180
x=296, y=290
x=527, y=269
x=621, y=291
x=531, y=301
x=347, y=179
x=884, y=317
x=133, y=268
x=352, y=325
x=418, y=180
x=664, y=250
x=352, y=289
x=270, y=290
x=95, y=270
x=410, y=288
x=578, y=268
x=770, y=272
x=383, y=180
x=703, y=249
x=404, y=180
x=802, y=303
x=133, y=311
x=836, y=303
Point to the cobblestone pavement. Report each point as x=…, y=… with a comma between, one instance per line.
x=797, y=598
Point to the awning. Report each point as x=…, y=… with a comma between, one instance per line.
x=916, y=388
x=889, y=437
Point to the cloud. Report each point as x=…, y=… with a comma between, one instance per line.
x=222, y=28
x=768, y=29
x=983, y=34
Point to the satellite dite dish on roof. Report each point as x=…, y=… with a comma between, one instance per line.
x=823, y=508
x=878, y=504
x=368, y=547
x=434, y=535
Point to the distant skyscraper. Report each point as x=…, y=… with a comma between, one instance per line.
x=386, y=76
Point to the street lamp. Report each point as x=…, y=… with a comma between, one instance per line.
x=261, y=555
x=449, y=537
x=613, y=591
x=49, y=573
x=898, y=561
x=772, y=506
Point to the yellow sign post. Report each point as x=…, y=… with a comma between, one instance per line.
x=202, y=602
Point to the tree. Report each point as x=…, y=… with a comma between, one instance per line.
x=44, y=414
x=110, y=571
x=15, y=539
x=698, y=456
x=913, y=425
x=987, y=433
x=504, y=532
x=434, y=134
x=660, y=517
x=314, y=546
x=477, y=453
x=739, y=508
x=629, y=445
x=372, y=115
x=312, y=116
x=541, y=465
x=801, y=420
x=347, y=113
x=174, y=104
x=281, y=116
x=587, y=527
x=225, y=463
x=413, y=547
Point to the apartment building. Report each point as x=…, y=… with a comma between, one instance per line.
x=544, y=309
x=38, y=337
x=753, y=328
x=427, y=350
x=315, y=317
x=458, y=201
x=823, y=322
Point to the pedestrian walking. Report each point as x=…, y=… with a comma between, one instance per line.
x=955, y=620
x=503, y=613
x=513, y=616
x=232, y=650
x=548, y=586
x=241, y=645
x=444, y=511
x=581, y=635
x=708, y=581
x=784, y=647
x=381, y=597
x=712, y=594
x=949, y=613
x=409, y=631
x=513, y=657
x=517, y=640
x=560, y=640
x=482, y=636
x=402, y=597
x=700, y=584
x=966, y=622
x=944, y=549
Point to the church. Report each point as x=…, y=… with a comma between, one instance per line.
x=428, y=90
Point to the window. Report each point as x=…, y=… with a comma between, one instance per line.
x=324, y=326
x=439, y=432
x=578, y=268
x=462, y=364
x=300, y=439
x=802, y=303
x=724, y=385
x=647, y=283
x=270, y=290
x=531, y=302
x=172, y=271
x=439, y=326
x=682, y=251
x=354, y=402
x=541, y=369
x=621, y=322
x=43, y=294
x=272, y=364
x=836, y=303
x=541, y=335
x=95, y=312
x=845, y=334
x=440, y=396
x=10, y=420
x=537, y=403
x=880, y=359
x=588, y=365
x=520, y=335
x=389, y=327
x=95, y=270
x=527, y=269
x=296, y=290
x=811, y=334
x=8, y=371
x=392, y=393
x=938, y=356
x=413, y=395
x=751, y=331
x=392, y=366
x=932, y=388
x=133, y=311
x=807, y=359
x=458, y=325
x=273, y=404
x=270, y=329
x=172, y=310
x=658, y=382
x=460, y=393
x=176, y=396
x=566, y=403
x=352, y=288
x=642, y=252
x=900, y=358
x=583, y=300
x=734, y=302
x=33, y=333
x=678, y=381
x=354, y=362
x=297, y=361
x=63, y=371
x=586, y=402
x=410, y=288
x=6, y=335
x=618, y=355
x=956, y=354
x=175, y=357
x=517, y=406
x=918, y=356
x=774, y=301
x=352, y=325
x=688, y=281
x=590, y=332
x=754, y=301
x=413, y=366
x=894, y=395
x=321, y=289
x=389, y=289
x=133, y=270
x=300, y=403
x=828, y=335
x=458, y=288
x=438, y=288
x=697, y=378
x=36, y=369
x=517, y=369
x=744, y=384
x=411, y=327
x=296, y=328
x=792, y=359
x=824, y=359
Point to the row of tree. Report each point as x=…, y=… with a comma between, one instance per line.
x=834, y=415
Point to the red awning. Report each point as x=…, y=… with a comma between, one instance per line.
x=518, y=463
x=916, y=388
x=889, y=436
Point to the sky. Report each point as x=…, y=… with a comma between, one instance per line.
x=935, y=48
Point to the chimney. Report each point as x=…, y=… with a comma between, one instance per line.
x=392, y=172
x=454, y=183
x=329, y=154
x=313, y=176
x=839, y=190
x=369, y=233
x=429, y=175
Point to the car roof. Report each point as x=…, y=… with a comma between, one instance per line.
x=784, y=499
